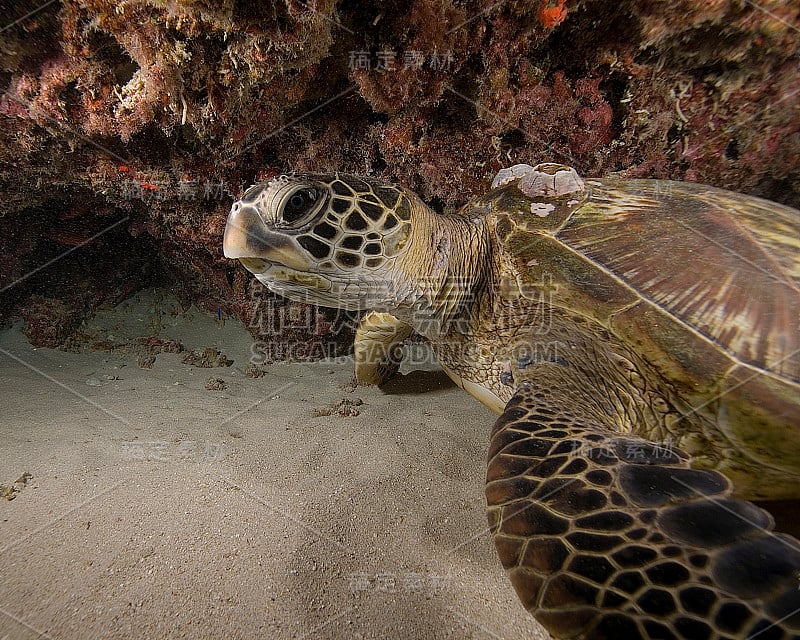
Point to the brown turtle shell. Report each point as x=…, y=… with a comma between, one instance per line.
x=703, y=283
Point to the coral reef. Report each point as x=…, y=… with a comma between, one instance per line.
x=128, y=128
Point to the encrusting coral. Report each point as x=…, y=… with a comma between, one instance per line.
x=128, y=127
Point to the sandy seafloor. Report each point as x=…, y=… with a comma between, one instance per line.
x=159, y=509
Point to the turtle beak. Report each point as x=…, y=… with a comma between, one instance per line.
x=248, y=238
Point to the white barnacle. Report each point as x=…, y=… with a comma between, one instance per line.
x=551, y=180
x=509, y=174
x=542, y=209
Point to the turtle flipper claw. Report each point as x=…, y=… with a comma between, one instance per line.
x=377, y=346
x=611, y=536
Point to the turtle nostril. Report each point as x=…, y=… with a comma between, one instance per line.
x=243, y=232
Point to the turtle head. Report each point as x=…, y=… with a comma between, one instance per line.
x=327, y=239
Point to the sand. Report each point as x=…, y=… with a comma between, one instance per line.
x=156, y=508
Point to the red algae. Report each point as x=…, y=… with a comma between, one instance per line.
x=153, y=116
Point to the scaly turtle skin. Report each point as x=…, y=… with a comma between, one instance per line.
x=639, y=338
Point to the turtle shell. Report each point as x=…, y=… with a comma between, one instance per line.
x=703, y=283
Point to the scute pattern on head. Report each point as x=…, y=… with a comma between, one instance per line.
x=364, y=223
x=346, y=222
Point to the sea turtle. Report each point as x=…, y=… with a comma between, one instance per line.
x=639, y=339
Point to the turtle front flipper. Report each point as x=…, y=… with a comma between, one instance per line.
x=377, y=347
x=606, y=535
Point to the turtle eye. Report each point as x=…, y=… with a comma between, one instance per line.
x=298, y=206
